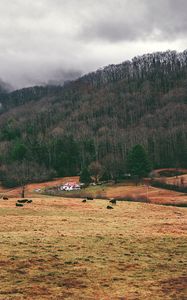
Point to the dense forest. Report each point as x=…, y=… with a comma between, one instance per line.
x=60, y=130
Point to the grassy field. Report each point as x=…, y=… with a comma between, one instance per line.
x=124, y=191
x=58, y=248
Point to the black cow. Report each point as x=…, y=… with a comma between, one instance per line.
x=5, y=198
x=84, y=200
x=109, y=207
x=113, y=201
x=29, y=201
x=19, y=204
x=23, y=201
x=89, y=198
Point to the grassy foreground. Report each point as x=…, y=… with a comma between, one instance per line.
x=59, y=248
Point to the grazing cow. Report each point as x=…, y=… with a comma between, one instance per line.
x=19, y=204
x=113, y=201
x=23, y=201
x=84, y=200
x=109, y=207
x=29, y=201
x=89, y=198
x=5, y=198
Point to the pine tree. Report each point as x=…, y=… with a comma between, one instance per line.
x=85, y=176
x=138, y=163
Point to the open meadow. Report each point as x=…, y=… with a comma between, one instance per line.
x=58, y=248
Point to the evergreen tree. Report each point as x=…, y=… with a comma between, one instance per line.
x=85, y=176
x=19, y=151
x=138, y=163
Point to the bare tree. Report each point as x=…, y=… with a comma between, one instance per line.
x=96, y=170
x=22, y=173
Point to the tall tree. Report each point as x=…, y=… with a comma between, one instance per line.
x=85, y=176
x=96, y=170
x=138, y=163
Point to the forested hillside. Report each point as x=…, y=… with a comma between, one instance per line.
x=99, y=117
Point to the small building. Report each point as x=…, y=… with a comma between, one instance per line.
x=70, y=186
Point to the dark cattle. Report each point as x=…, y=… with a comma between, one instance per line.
x=29, y=201
x=19, y=204
x=23, y=201
x=84, y=200
x=89, y=198
x=5, y=198
x=109, y=207
x=113, y=201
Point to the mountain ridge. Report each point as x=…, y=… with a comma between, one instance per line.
x=118, y=71
x=103, y=114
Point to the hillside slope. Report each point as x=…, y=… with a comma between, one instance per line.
x=101, y=116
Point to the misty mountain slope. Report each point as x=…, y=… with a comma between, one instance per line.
x=104, y=114
x=20, y=97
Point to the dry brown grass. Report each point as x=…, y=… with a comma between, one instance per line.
x=176, y=180
x=60, y=248
x=155, y=195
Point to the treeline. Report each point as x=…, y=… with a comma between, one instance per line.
x=27, y=160
x=100, y=117
x=172, y=187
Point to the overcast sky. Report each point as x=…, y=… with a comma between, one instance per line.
x=50, y=40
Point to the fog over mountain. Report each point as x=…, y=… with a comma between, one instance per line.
x=5, y=87
x=54, y=41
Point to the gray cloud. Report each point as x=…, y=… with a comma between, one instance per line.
x=51, y=41
x=139, y=20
